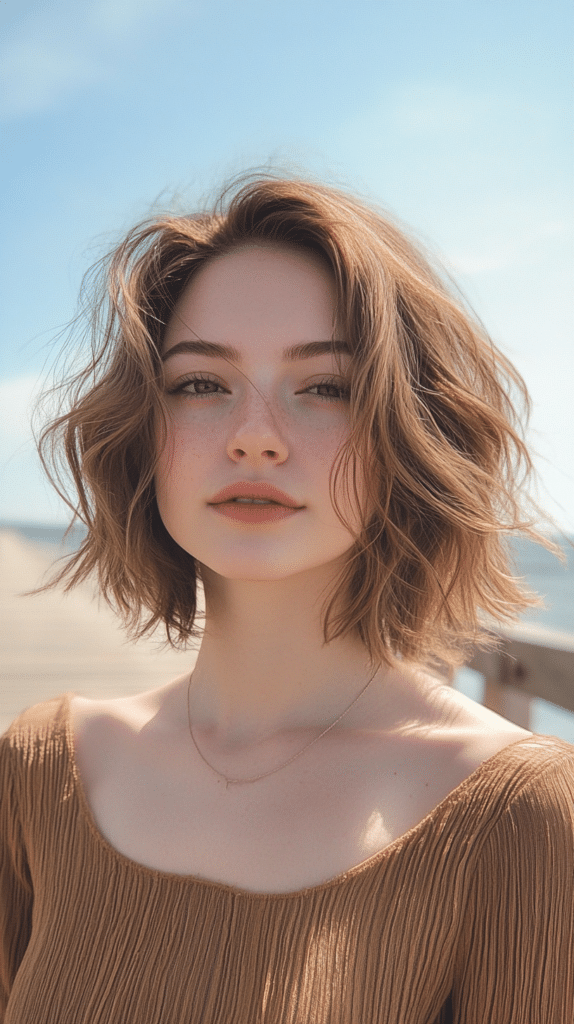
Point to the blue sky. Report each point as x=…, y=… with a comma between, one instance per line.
x=455, y=115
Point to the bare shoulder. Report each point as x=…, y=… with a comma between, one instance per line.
x=132, y=708
x=441, y=738
x=442, y=727
x=470, y=731
x=107, y=730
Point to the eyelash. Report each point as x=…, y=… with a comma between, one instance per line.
x=182, y=385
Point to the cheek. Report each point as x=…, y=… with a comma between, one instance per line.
x=183, y=448
x=182, y=464
x=171, y=468
x=319, y=445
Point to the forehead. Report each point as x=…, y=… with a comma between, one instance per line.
x=255, y=289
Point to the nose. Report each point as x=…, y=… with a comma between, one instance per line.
x=256, y=448
x=257, y=440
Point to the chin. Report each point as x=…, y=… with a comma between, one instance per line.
x=249, y=570
x=252, y=573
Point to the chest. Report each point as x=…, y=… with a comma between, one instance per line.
x=335, y=809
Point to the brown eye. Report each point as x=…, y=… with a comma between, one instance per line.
x=200, y=383
x=342, y=392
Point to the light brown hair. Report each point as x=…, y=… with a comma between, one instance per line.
x=435, y=429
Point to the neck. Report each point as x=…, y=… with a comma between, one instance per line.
x=263, y=668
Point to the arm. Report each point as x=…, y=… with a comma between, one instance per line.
x=516, y=964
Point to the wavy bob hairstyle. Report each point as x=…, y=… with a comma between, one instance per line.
x=434, y=429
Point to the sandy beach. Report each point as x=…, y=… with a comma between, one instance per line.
x=53, y=643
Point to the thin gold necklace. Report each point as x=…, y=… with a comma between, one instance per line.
x=230, y=782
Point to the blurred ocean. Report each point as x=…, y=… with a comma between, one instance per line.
x=542, y=571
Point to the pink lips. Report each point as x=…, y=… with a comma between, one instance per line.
x=223, y=503
x=254, y=513
x=254, y=489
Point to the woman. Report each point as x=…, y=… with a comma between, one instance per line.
x=287, y=407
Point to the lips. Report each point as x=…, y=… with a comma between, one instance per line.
x=254, y=489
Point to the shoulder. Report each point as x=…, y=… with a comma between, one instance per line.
x=512, y=762
x=539, y=785
x=107, y=734
x=124, y=716
x=461, y=733
x=509, y=764
x=523, y=848
x=34, y=760
x=523, y=810
x=37, y=725
x=451, y=746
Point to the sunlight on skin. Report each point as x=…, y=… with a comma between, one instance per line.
x=374, y=835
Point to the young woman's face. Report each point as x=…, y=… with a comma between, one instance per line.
x=259, y=416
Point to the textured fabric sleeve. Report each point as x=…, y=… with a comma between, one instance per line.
x=15, y=883
x=517, y=958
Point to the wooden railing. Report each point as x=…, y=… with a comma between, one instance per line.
x=532, y=661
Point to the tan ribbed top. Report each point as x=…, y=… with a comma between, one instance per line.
x=467, y=918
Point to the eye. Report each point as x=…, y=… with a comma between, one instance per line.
x=184, y=386
x=334, y=385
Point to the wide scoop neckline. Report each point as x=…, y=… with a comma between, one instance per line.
x=361, y=868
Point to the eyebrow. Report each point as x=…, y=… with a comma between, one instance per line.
x=290, y=355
